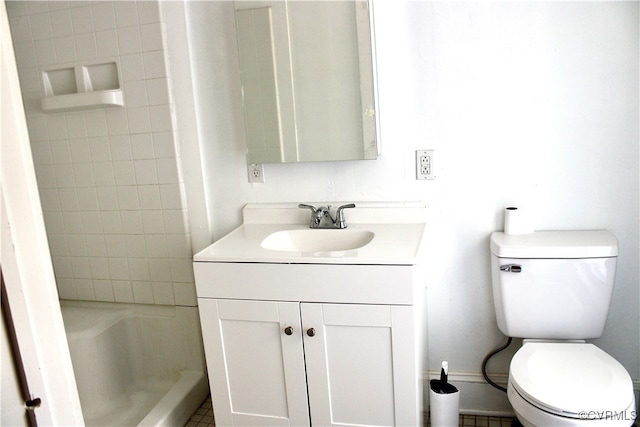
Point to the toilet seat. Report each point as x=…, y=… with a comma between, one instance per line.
x=570, y=379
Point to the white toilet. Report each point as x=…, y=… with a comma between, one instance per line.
x=553, y=288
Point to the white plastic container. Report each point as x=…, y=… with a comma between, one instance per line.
x=444, y=400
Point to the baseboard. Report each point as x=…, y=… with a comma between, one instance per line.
x=477, y=397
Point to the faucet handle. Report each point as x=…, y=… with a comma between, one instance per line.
x=340, y=222
x=303, y=206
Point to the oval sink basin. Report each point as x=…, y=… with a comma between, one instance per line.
x=317, y=240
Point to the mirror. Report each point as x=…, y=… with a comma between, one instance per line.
x=308, y=80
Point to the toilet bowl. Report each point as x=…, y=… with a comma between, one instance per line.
x=569, y=384
x=554, y=289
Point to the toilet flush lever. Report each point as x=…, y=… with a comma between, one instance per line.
x=511, y=268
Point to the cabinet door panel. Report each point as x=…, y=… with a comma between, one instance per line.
x=256, y=370
x=360, y=364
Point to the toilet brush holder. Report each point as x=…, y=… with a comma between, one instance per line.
x=444, y=409
x=444, y=400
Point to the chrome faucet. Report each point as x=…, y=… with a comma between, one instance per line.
x=321, y=216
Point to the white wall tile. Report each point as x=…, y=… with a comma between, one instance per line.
x=92, y=224
x=132, y=67
x=64, y=176
x=87, y=198
x=54, y=223
x=142, y=293
x=72, y=222
x=146, y=172
x=117, y=123
x=83, y=175
x=114, y=245
x=84, y=289
x=111, y=225
x=104, y=16
x=20, y=28
x=41, y=26
x=104, y=290
x=80, y=267
x=129, y=40
x=131, y=222
x=138, y=268
x=139, y=120
x=126, y=13
x=124, y=173
x=171, y=196
x=160, y=270
x=60, y=152
x=62, y=267
x=68, y=199
x=148, y=12
x=86, y=48
x=182, y=270
x=163, y=293
x=76, y=125
x=179, y=246
x=61, y=24
x=50, y=199
x=58, y=243
x=96, y=123
x=164, y=145
x=167, y=171
x=77, y=246
x=128, y=198
x=79, y=149
x=100, y=149
x=120, y=147
x=99, y=268
x=107, y=200
x=135, y=93
x=119, y=268
x=107, y=43
x=122, y=291
x=158, y=91
x=151, y=37
x=154, y=64
x=149, y=196
x=66, y=287
x=30, y=81
x=41, y=152
x=174, y=221
x=65, y=49
x=136, y=248
x=142, y=146
x=156, y=245
x=153, y=222
x=57, y=127
x=82, y=19
x=185, y=294
x=103, y=174
x=161, y=118
x=45, y=51
x=96, y=246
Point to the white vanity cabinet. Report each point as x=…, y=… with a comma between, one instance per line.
x=328, y=358
x=320, y=339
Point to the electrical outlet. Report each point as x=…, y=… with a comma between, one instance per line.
x=256, y=173
x=424, y=164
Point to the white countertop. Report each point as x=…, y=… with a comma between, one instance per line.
x=398, y=233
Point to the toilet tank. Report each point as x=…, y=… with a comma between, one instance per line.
x=553, y=284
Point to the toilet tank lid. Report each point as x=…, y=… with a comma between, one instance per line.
x=555, y=244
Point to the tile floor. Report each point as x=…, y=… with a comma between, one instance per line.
x=204, y=418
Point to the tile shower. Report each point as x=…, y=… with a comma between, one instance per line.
x=109, y=179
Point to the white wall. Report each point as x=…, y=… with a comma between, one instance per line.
x=526, y=103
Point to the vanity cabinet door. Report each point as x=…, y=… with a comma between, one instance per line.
x=361, y=364
x=255, y=362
